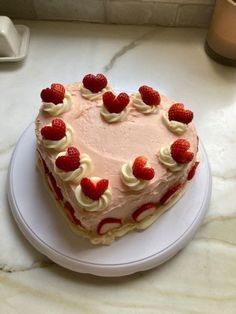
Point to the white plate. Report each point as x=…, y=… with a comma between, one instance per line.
x=43, y=225
x=24, y=33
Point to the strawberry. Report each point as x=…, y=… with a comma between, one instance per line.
x=167, y=196
x=192, y=171
x=179, y=151
x=140, y=171
x=70, y=212
x=58, y=87
x=55, y=132
x=108, y=224
x=69, y=162
x=94, y=190
x=150, y=96
x=95, y=83
x=55, y=187
x=55, y=94
x=178, y=113
x=115, y=104
x=143, y=211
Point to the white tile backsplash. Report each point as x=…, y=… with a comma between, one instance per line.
x=192, y=15
x=81, y=10
x=184, y=13
x=135, y=12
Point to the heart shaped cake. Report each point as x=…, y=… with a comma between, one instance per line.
x=114, y=162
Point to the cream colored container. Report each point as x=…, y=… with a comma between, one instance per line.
x=221, y=38
x=9, y=38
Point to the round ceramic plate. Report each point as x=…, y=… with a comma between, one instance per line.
x=43, y=225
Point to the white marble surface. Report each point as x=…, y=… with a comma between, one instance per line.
x=200, y=279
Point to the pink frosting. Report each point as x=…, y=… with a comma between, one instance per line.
x=110, y=146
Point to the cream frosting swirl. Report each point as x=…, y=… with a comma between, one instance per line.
x=141, y=106
x=130, y=180
x=86, y=93
x=114, y=117
x=167, y=160
x=176, y=127
x=76, y=175
x=93, y=205
x=60, y=144
x=55, y=110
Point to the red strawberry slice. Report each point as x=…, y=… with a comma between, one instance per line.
x=69, y=162
x=108, y=224
x=55, y=187
x=55, y=132
x=170, y=193
x=150, y=96
x=177, y=112
x=180, y=153
x=113, y=103
x=59, y=88
x=95, y=83
x=94, y=190
x=70, y=212
x=192, y=171
x=55, y=94
x=140, y=171
x=144, y=211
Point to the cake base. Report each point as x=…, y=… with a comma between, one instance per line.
x=43, y=225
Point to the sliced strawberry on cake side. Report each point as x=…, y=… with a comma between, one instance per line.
x=108, y=224
x=70, y=212
x=144, y=211
x=171, y=193
x=192, y=171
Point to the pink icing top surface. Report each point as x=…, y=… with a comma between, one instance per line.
x=110, y=145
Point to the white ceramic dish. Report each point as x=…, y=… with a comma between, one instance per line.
x=42, y=223
x=24, y=33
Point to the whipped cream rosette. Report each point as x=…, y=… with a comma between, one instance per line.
x=115, y=108
x=137, y=174
x=57, y=135
x=147, y=100
x=72, y=166
x=177, y=118
x=94, y=86
x=93, y=194
x=56, y=100
x=176, y=156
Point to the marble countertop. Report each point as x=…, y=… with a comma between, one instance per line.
x=202, y=277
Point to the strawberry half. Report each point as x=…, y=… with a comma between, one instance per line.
x=55, y=132
x=168, y=195
x=192, y=171
x=69, y=162
x=70, y=213
x=95, y=83
x=180, y=153
x=55, y=187
x=144, y=211
x=113, y=103
x=150, y=96
x=108, y=224
x=55, y=94
x=94, y=190
x=177, y=112
x=140, y=170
